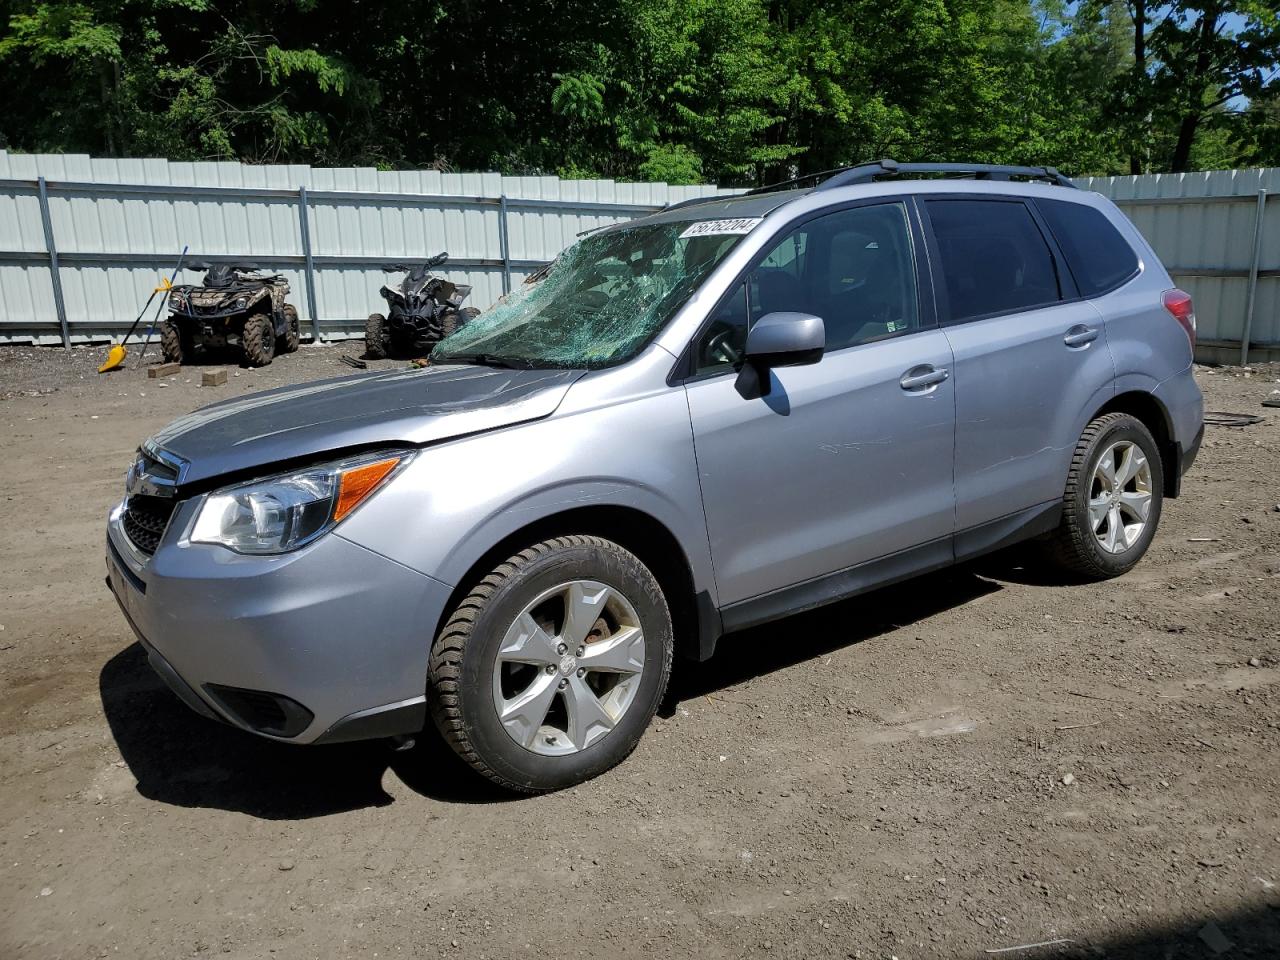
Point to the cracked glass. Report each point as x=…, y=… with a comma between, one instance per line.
x=602, y=301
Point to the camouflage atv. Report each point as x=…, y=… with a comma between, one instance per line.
x=235, y=306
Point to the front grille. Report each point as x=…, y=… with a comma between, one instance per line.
x=144, y=520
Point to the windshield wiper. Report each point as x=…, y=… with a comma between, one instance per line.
x=492, y=360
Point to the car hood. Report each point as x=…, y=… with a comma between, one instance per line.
x=412, y=407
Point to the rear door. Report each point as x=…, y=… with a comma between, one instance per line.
x=1030, y=354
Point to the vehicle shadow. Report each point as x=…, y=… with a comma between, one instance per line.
x=784, y=643
x=1248, y=931
x=181, y=758
x=186, y=760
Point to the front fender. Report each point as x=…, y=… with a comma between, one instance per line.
x=458, y=500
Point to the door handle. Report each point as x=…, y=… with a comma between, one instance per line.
x=1080, y=335
x=922, y=377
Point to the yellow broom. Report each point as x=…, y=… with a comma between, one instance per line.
x=116, y=355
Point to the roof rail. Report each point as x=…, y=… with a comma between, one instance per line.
x=869, y=172
x=692, y=201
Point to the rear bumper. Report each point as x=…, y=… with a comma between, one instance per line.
x=1181, y=398
x=328, y=643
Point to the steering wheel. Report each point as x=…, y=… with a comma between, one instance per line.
x=720, y=347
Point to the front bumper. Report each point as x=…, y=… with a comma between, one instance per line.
x=337, y=630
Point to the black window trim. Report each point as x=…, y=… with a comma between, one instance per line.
x=1132, y=275
x=926, y=297
x=1067, y=290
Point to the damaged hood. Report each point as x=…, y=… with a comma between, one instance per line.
x=411, y=407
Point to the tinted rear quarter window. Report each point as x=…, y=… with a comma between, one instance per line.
x=994, y=257
x=1099, y=257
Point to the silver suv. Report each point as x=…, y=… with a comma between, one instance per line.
x=712, y=417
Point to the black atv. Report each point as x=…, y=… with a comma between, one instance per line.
x=235, y=306
x=424, y=309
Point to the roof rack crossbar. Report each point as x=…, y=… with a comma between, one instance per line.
x=868, y=172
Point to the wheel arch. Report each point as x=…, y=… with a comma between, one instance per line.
x=695, y=618
x=1145, y=407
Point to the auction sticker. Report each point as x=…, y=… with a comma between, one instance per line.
x=711, y=228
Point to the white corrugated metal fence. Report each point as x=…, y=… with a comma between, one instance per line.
x=83, y=241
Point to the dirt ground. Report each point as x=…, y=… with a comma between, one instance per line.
x=973, y=761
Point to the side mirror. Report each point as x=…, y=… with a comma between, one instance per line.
x=786, y=340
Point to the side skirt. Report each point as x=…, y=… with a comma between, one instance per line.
x=914, y=561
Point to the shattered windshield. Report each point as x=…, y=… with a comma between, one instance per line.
x=601, y=302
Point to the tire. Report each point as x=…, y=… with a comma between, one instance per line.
x=375, y=337
x=1079, y=546
x=467, y=677
x=258, y=341
x=292, y=331
x=173, y=344
x=455, y=320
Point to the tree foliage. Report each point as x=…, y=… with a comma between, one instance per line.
x=734, y=91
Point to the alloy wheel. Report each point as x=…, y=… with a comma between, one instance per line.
x=568, y=667
x=1120, y=496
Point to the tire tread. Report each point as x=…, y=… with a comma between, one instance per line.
x=445, y=667
x=1068, y=546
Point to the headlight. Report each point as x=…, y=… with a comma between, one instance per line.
x=285, y=512
x=240, y=303
x=175, y=301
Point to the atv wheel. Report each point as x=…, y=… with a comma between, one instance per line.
x=173, y=344
x=375, y=337
x=292, y=331
x=258, y=341
x=456, y=320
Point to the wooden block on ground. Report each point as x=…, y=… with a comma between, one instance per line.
x=213, y=378
x=163, y=370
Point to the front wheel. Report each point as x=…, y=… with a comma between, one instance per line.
x=258, y=341
x=376, y=339
x=288, y=343
x=173, y=344
x=1112, y=503
x=548, y=672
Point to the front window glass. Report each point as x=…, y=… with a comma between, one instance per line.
x=602, y=301
x=854, y=268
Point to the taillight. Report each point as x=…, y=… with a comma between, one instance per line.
x=1178, y=303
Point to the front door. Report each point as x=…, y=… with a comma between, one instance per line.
x=844, y=461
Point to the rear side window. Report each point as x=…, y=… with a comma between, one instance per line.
x=1099, y=257
x=994, y=258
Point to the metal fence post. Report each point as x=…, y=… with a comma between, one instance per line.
x=309, y=267
x=504, y=243
x=1253, y=277
x=54, y=273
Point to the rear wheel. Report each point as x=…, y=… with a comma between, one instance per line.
x=292, y=331
x=258, y=341
x=375, y=336
x=1113, y=500
x=547, y=673
x=174, y=346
